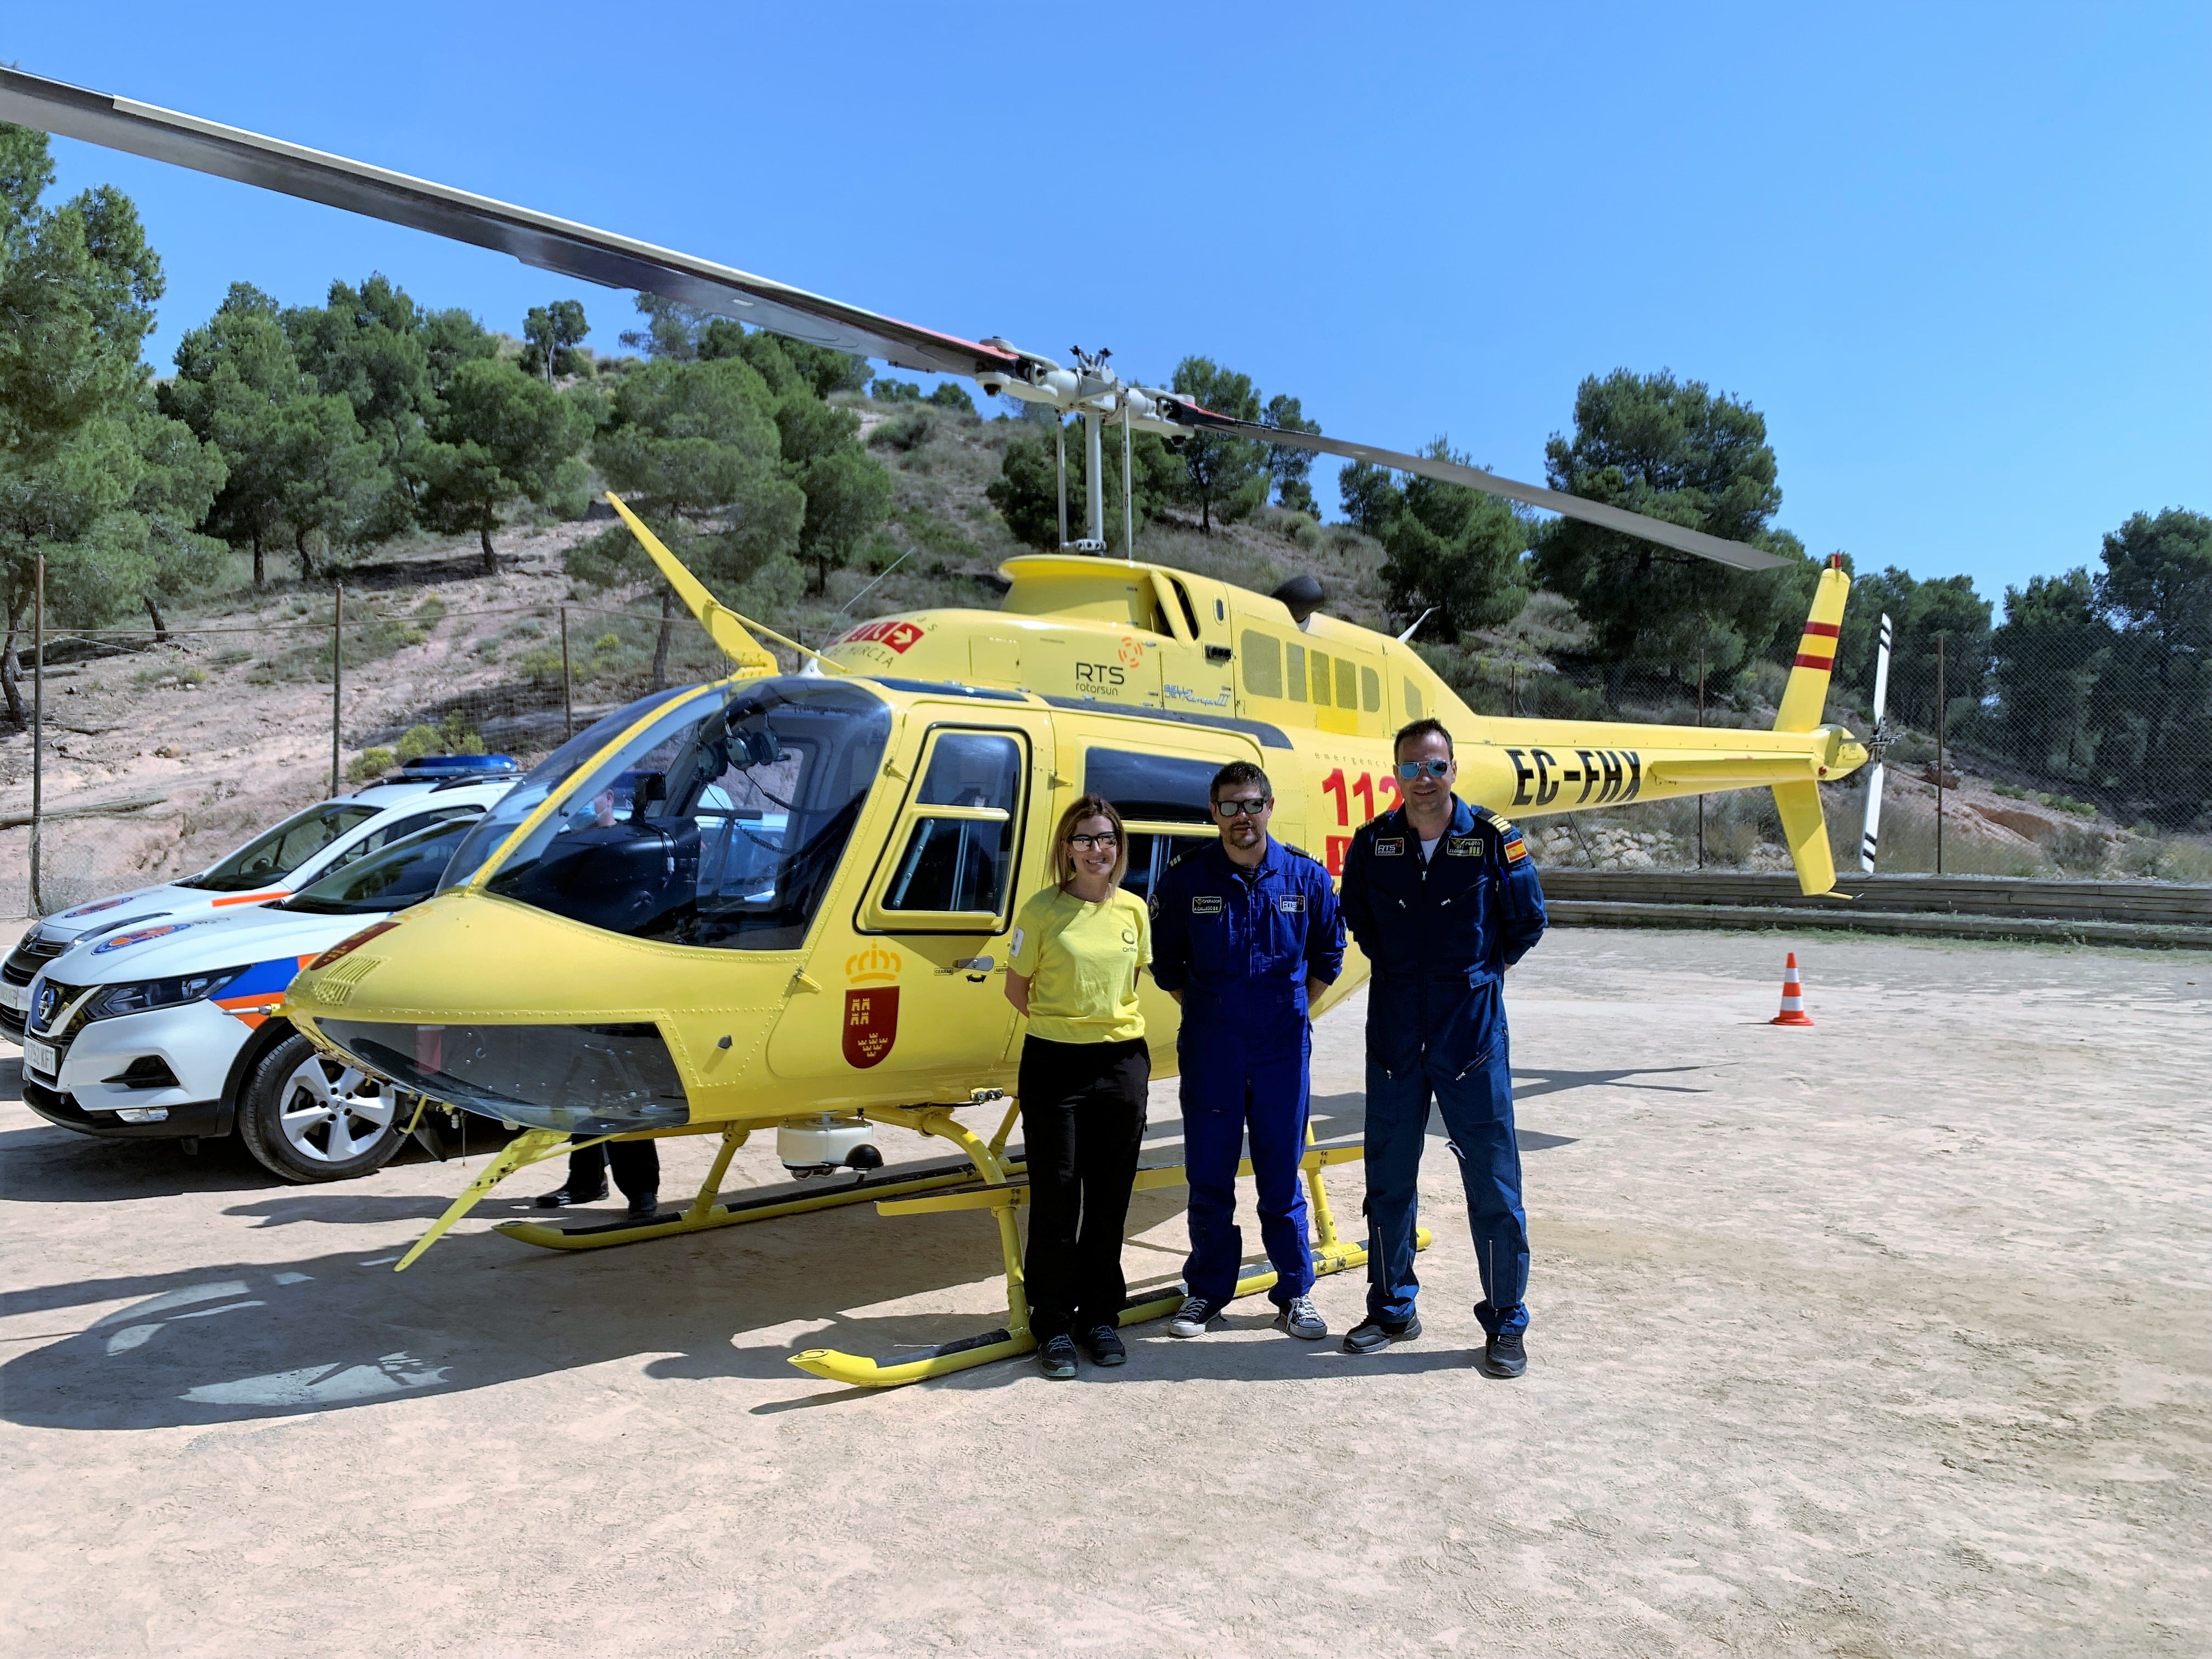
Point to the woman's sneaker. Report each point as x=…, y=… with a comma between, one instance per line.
x=1103, y=1344
x=1193, y=1317
x=1298, y=1317
x=1056, y=1357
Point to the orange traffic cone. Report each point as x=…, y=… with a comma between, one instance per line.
x=1793, y=998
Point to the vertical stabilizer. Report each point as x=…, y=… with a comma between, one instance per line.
x=1805, y=699
x=1806, y=833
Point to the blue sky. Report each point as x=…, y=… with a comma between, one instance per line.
x=1957, y=255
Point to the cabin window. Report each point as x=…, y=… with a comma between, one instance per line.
x=1370, y=690
x=1182, y=597
x=959, y=853
x=1168, y=786
x=1151, y=852
x=1321, y=674
x=1294, y=672
x=1412, y=701
x=1263, y=665
x=1348, y=683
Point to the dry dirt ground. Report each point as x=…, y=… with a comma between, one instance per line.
x=1886, y=1337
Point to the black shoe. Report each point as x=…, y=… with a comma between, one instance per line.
x=1103, y=1344
x=645, y=1208
x=1372, y=1335
x=561, y=1197
x=1056, y=1357
x=1505, y=1356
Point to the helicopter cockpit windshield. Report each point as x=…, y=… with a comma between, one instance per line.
x=720, y=824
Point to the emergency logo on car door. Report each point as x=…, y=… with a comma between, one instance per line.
x=872, y=1004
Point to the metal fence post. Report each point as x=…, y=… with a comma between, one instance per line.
x=1939, y=754
x=568, y=694
x=337, y=680
x=1701, y=799
x=37, y=726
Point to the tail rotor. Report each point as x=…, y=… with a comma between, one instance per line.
x=1879, y=746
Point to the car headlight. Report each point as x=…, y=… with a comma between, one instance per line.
x=149, y=993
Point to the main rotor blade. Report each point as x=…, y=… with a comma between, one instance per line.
x=1739, y=554
x=535, y=238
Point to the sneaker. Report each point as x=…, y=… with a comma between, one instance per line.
x=1056, y=1357
x=1505, y=1356
x=562, y=1196
x=1298, y=1317
x=1193, y=1317
x=1103, y=1344
x=1372, y=1335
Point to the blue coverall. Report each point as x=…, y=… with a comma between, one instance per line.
x=1240, y=944
x=1439, y=934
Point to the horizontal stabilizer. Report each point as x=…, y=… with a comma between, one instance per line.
x=1730, y=771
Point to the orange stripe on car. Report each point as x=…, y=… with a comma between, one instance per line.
x=252, y=898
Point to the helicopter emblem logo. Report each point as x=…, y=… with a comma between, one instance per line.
x=871, y=1005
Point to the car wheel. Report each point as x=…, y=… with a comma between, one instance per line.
x=307, y=1117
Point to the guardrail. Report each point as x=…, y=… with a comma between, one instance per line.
x=2146, y=913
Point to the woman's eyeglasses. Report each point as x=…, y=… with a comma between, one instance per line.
x=1230, y=809
x=1418, y=768
x=1105, y=843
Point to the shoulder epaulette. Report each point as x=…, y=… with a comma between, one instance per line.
x=1504, y=826
x=1179, y=857
x=1298, y=852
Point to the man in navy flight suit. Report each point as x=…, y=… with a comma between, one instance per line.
x=1444, y=898
x=1245, y=933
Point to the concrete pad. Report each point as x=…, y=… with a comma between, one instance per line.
x=1889, y=1336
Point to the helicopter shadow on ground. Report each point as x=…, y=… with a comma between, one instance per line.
x=251, y=1341
x=258, y=1341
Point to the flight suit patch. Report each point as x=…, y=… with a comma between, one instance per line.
x=1463, y=846
x=1291, y=902
x=1205, y=904
x=1393, y=849
x=1516, y=848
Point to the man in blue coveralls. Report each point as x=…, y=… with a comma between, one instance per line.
x=1444, y=898
x=1245, y=933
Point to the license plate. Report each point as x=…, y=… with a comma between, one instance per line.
x=40, y=1057
x=17, y=996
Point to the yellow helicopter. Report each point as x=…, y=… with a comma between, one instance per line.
x=782, y=900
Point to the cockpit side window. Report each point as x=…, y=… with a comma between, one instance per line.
x=721, y=829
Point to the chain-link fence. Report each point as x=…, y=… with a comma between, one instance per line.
x=159, y=749
x=145, y=754
x=2022, y=752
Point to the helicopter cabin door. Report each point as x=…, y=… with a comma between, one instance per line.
x=914, y=1004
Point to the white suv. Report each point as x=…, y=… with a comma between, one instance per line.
x=164, y=1029
x=301, y=850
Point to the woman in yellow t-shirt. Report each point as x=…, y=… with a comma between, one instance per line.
x=1078, y=947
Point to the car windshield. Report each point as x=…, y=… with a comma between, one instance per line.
x=720, y=825
x=269, y=859
x=543, y=779
x=391, y=879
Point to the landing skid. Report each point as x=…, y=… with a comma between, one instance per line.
x=709, y=1209
x=1330, y=1255
x=729, y=1213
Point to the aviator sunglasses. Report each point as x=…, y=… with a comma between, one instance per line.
x=1418, y=768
